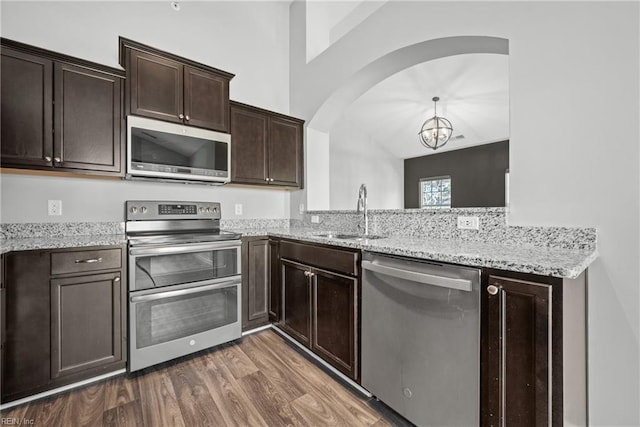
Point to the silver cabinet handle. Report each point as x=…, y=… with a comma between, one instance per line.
x=492, y=289
x=47, y=158
x=181, y=116
x=309, y=274
x=88, y=261
x=117, y=279
x=187, y=118
x=270, y=179
x=57, y=159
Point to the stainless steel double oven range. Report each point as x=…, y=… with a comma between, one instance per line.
x=184, y=280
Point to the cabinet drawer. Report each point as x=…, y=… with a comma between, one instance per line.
x=81, y=261
x=338, y=260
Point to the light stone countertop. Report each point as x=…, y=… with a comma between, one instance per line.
x=564, y=263
x=46, y=242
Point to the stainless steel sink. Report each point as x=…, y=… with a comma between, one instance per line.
x=344, y=236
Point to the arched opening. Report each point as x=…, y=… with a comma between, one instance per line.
x=335, y=105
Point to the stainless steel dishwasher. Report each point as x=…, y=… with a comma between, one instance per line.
x=421, y=339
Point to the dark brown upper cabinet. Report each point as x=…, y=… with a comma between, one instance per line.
x=266, y=147
x=60, y=113
x=167, y=87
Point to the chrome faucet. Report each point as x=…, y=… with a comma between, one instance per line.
x=362, y=204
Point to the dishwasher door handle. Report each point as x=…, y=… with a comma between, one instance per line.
x=414, y=276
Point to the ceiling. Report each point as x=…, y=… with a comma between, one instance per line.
x=474, y=96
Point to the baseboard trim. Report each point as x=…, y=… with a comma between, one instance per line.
x=333, y=370
x=60, y=389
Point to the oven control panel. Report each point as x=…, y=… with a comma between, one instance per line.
x=149, y=210
x=177, y=209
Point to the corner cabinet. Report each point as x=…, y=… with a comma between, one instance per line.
x=60, y=113
x=266, y=148
x=320, y=301
x=65, y=318
x=533, y=347
x=167, y=87
x=275, y=288
x=256, y=266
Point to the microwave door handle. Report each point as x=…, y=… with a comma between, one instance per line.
x=174, y=249
x=182, y=292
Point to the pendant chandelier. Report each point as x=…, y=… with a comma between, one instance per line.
x=436, y=131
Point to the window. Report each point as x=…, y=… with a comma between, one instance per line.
x=435, y=192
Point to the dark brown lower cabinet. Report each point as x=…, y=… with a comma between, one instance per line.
x=256, y=264
x=296, y=287
x=320, y=307
x=86, y=323
x=26, y=328
x=334, y=312
x=532, y=327
x=61, y=328
x=275, y=287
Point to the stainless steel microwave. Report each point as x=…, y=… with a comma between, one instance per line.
x=170, y=151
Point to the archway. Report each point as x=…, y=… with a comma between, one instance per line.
x=320, y=125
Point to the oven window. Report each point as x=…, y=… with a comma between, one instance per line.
x=163, y=320
x=162, y=148
x=165, y=270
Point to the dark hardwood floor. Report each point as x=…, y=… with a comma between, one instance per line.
x=259, y=380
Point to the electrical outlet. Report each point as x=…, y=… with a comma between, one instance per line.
x=238, y=209
x=55, y=207
x=468, y=223
x=301, y=208
x=315, y=219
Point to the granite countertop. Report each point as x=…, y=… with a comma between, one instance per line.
x=564, y=263
x=54, y=242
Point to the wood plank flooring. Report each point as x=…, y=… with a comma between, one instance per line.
x=259, y=380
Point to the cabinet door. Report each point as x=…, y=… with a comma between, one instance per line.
x=516, y=353
x=26, y=367
x=86, y=328
x=248, y=146
x=334, y=324
x=255, y=280
x=275, y=285
x=155, y=86
x=296, y=304
x=206, y=99
x=87, y=119
x=285, y=152
x=26, y=111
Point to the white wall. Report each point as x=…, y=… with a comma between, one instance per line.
x=356, y=158
x=573, y=65
x=24, y=198
x=249, y=39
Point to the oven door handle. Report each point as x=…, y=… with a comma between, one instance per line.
x=174, y=249
x=182, y=292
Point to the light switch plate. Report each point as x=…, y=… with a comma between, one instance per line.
x=315, y=219
x=54, y=207
x=238, y=209
x=301, y=208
